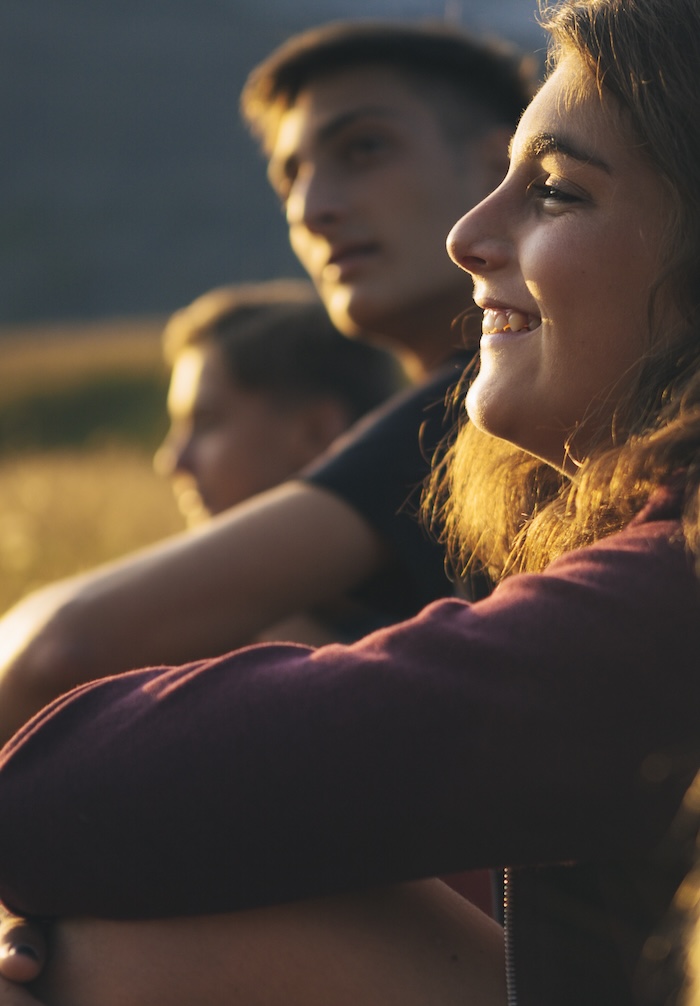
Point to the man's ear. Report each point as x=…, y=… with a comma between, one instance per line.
x=316, y=424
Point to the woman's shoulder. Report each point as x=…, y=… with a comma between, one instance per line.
x=647, y=563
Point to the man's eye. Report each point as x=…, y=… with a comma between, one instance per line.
x=365, y=147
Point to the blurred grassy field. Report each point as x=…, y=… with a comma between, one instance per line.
x=81, y=412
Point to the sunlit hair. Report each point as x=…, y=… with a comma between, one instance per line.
x=472, y=83
x=496, y=506
x=276, y=338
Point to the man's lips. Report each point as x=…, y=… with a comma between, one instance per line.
x=345, y=258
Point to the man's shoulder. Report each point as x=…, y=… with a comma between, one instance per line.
x=402, y=423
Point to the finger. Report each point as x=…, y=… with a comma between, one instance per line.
x=22, y=950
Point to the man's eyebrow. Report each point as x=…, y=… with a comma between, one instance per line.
x=542, y=144
x=278, y=168
x=344, y=119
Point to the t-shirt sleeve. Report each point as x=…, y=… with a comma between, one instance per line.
x=510, y=731
x=379, y=468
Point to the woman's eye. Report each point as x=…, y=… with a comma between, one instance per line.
x=553, y=193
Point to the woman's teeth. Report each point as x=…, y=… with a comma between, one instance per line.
x=507, y=321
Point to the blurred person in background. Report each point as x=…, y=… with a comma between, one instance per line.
x=261, y=383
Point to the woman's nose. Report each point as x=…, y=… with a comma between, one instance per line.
x=479, y=242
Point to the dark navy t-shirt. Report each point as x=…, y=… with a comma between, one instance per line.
x=379, y=467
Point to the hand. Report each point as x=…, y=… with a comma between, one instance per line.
x=16, y=995
x=22, y=956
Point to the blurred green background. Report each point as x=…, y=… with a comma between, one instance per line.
x=82, y=409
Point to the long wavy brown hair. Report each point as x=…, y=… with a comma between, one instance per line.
x=501, y=510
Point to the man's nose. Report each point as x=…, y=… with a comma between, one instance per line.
x=314, y=200
x=172, y=456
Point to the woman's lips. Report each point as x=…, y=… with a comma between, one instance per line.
x=498, y=320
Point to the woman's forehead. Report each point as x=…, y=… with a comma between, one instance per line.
x=571, y=112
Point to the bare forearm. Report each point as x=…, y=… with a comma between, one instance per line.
x=341, y=951
x=195, y=595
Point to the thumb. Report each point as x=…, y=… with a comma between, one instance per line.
x=22, y=949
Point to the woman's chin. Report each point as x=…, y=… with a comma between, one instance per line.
x=485, y=408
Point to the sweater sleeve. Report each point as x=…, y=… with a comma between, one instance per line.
x=513, y=730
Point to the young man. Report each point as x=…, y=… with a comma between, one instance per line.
x=261, y=383
x=379, y=136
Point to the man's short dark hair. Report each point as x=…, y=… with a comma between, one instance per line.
x=488, y=75
x=276, y=338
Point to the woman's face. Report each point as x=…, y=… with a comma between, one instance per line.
x=563, y=254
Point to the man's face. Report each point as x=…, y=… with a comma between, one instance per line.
x=227, y=442
x=371, y=187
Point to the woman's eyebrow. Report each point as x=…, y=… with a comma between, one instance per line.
x=542, y=144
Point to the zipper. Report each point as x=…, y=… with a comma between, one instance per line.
x=508, y=938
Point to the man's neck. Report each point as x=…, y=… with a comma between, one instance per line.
x=422, y=351
x=421, y=363
x=428, y=337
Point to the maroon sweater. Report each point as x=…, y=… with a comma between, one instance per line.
x=550, y=728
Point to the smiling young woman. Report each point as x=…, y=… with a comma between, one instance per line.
x=549, y=729
x=563, y=344
x=590, y=244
